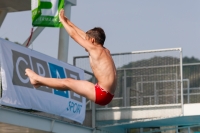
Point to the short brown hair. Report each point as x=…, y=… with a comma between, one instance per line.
x=98, y=34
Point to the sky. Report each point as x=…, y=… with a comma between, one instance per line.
x=130, y=25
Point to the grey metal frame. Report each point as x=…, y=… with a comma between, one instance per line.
x=125, y=98
x=140, y=52
x=181, y=73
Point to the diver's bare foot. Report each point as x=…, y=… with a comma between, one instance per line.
x=33, y=77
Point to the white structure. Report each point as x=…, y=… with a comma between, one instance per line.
x=7, y=6
x=21, y=122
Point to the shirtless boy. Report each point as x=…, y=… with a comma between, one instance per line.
x=101, y=63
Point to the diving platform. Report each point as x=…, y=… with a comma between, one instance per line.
x=23, y=122
x=138, y=112
x=113, y=120
x=120, y=119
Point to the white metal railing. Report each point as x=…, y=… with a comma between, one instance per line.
x=188, y=95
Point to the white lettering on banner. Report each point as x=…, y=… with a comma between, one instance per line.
x=47, y=19
x=39, y=67
x=74, y=107
x=17, y=70
x=53, y=11
x=57, y=75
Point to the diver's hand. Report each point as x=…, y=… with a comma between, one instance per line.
x=62, y=15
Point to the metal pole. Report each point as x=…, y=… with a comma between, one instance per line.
x=36, y=33
x=155, y=94
x=74, y=61
x=188, y=129
x=128, y=96
x=93, y=116
x=156, y=50
x=188, y=86
x=142, y=94
x=141, y=130
x=93, y=113
x=176, y=91
x=124, y=97
x=64, y=37
x=52, y=125
x=137, y=94
x=176, y=129
x=181, y=74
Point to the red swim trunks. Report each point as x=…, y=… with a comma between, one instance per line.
x=103, y=97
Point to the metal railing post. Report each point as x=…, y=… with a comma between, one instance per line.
x=141, y=94
x=128, y=96
x=188, y=129
x=155, y=94
x=124, y=94
x=176, y=95
x=93, y=113
x=181, y=74
x=188, y=87
x=137, y=94
x=74, y=61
